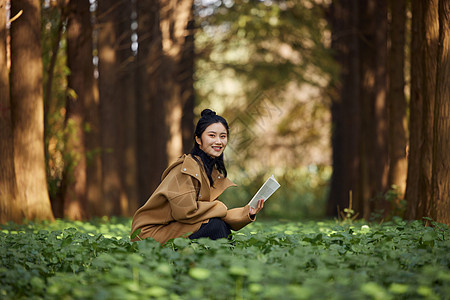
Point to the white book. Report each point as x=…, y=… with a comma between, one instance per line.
x=265, y=191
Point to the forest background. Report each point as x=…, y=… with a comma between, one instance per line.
x=346, y=102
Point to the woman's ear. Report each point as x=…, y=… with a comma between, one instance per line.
x=198, y=140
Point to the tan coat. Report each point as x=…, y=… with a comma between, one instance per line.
x=183, y=201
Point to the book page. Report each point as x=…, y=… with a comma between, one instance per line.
x=266, y=190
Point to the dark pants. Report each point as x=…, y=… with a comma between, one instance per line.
x=215, y=229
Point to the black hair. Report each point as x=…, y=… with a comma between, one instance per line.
x=207, y=118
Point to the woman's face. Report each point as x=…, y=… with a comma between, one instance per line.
x=213, y=140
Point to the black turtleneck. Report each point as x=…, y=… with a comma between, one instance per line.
x=209, y=163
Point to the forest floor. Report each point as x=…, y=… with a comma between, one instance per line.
x=265, y=260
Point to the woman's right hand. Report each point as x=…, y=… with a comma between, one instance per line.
x=257, y=209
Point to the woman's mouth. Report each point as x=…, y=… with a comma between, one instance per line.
x=217, y=148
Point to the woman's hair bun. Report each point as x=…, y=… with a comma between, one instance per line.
x=208, y=112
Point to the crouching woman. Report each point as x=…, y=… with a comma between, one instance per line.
x=186, y=204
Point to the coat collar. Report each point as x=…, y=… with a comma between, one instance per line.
x=191, y=167
x=221, y=183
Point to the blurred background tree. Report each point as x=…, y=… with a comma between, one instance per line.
x=10, y=208
x=359, y=107
x=27, y=109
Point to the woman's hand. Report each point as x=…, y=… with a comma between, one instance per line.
x=257, y=209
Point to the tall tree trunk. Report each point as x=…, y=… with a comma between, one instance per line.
x=396, y=98
x=152, y=131
x=176, y=17
x=108, y=13
x=165, y=86
x=415, y=111
x=345, y=107
x=441, y=134
x=127, y=99
x=28, y=109
x=10, y=204
x=94, y=194
x=186, y=79
x=118, y=107
x=82, y=180
x=374, y=160
x=429, y=65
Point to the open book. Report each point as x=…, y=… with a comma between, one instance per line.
x=265, y=191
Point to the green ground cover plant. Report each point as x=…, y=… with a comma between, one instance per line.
x=265, y=260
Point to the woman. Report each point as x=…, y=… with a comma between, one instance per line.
x=186, y=201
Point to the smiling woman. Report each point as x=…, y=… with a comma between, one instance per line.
x=186, y=203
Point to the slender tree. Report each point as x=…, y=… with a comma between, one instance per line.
x=172, y=26
x=82, y=178
x=128, y=100
x=28, y=109
x=440, y=208
x=373, y=91
x=429, y=61
x=359, y=108
x=186, y=79
x=345, y=107
x=426, y=14
x=415, y=111
x=108, y=18
x=396, y=98
x=152, y=130
x=117, y=92
x=165, y=86
x=176, y=33
x=10, y=204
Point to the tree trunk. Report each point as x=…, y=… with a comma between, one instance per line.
x=176, y=31
x=127, y=98
x=380, y=161
x=152, y=131
x=186, y=79
x=374, y=159
x=94, y=194
x=10, y=204
x=441, y=137
x=396, y=98
x=429, y=65
x=345, y=107
x=415, y=111
x=82, y=180
x=108, y=13
x=28, y=109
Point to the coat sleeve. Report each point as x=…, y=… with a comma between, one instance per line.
x=239, y=217
x=184, y=204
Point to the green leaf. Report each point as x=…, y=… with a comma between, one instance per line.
x=155, y=291
x=181, y=242
x=374, y=290
x=199, y=273
x=238, y=271
x=66, y=242
x=398, y=288
x=135, y=233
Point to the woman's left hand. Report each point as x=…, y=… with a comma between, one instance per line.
x=257, y=209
